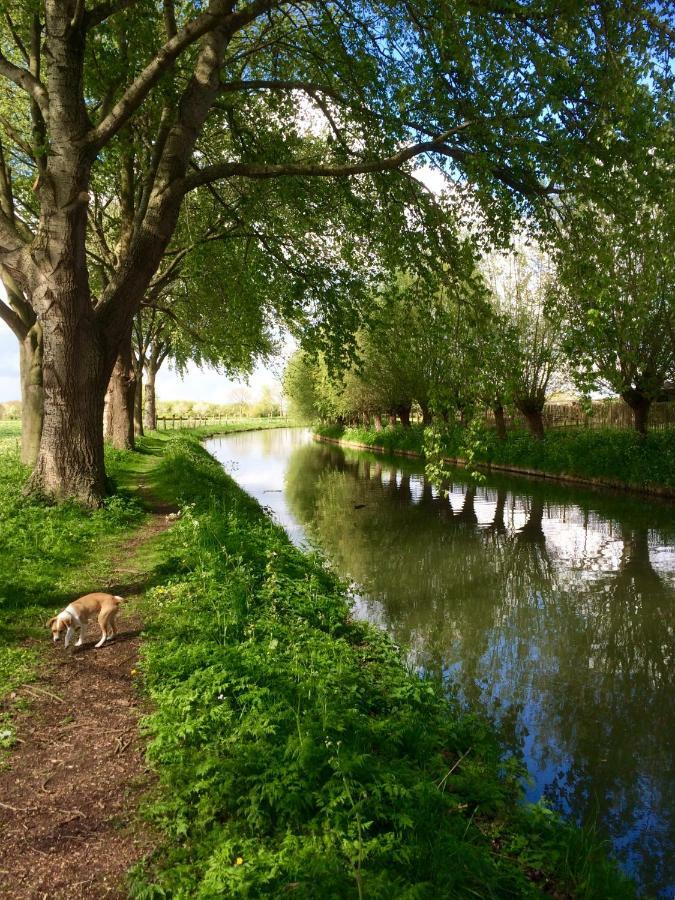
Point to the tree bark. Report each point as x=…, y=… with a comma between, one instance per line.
x=119, y=404
x=32, y=394
x=70, y=460
x=392, y=418
x=427, y=418
x=377, y=418
x=138, y=401
x=500, y=421
x=640, y=405
x=534, y=420
x=150, y=409
x=404, y=415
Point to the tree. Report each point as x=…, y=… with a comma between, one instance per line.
x=214, y=86
x=618, y=306
x=523, y=285
x=18, y=314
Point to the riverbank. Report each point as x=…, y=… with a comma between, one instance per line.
x=295, y=752
x=292, y=750
x=610, y=458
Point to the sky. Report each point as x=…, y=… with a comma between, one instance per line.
x=199, y=384
x=205, y=385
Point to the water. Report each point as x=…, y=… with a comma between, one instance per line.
x=550, y=606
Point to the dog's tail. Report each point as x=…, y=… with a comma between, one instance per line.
x=119, y=599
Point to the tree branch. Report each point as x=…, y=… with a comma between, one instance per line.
x=219, y=13
x=23, y=79
x=261, y=170
x=9, y=317
x=17, y=37
x=308, y=87
x=103, y=11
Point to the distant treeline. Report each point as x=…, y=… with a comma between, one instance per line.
x=266, y=405
x=497, y=344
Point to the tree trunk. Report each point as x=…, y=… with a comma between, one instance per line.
x=426, y=414
x=138, y=401
x=534, y=420
x=150, y=408
x=640, y=404
x=392, y=418
x=500, y=421
x=32, y=395
x=377, y=418
x=70, y=461
x=404, y=415
x=119, y=405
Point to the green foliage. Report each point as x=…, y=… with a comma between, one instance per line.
x=603, y=453
x=616, y=455
x=295, y=752
x=47, y=555
x=389, y=439
x=618, y=306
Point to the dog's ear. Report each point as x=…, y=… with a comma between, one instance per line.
x=49, y=623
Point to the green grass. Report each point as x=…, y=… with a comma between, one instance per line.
x=10, y=434
x=52, y=553
x=48, y=554
x=609, y=454
x=295, y=753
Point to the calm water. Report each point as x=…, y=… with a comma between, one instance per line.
x=551, y=606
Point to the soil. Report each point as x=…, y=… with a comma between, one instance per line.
x=72, y=785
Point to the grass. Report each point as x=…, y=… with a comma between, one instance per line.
x=295, y=752
x=50, y=554
x=606, y=454
x=10, y=433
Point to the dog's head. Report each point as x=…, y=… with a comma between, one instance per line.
x=57, y=624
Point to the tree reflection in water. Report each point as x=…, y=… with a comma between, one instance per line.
x=542, y=602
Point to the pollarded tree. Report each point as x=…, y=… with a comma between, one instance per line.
x=216, y=86
x=618, y=306
x=523, y=286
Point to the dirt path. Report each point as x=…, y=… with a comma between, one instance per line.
x=70, y=791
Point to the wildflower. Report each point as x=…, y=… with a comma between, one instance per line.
x=133, y=671
x=239, y=861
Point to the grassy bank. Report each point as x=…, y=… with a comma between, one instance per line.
x=610, y=455
x=296, y=754
x=49, y=554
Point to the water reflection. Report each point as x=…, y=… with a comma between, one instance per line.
x=552, y=606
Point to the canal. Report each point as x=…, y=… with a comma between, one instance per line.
x=549, y=607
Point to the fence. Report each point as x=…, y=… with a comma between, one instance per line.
x=165, y=423
x=603, y=414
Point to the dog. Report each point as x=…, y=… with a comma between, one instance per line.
x=79, y=612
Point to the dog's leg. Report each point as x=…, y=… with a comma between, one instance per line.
x=80, y=640
x=70, y=631
x=103, y=619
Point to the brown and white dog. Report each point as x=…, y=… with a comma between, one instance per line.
x=79, y=612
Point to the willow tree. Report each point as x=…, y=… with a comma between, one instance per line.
x=618, y=306
x=219, y=83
